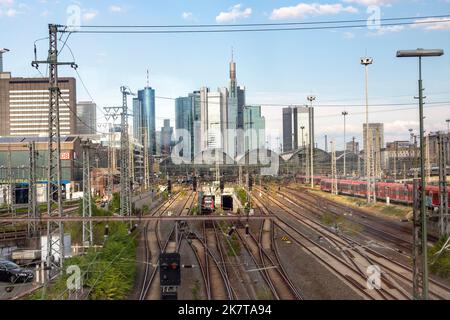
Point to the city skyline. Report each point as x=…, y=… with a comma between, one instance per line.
x=277, y=68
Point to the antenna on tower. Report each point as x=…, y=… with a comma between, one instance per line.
x=232, y=54
x=148, y=82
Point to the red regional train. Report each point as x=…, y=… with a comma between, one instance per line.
x=397, y=192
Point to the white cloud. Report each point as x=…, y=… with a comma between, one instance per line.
x=444, y=24
x=302, y=10
x=187, y=15
x=372, y=2
x=233, y=14
x=88, y=15
x=115, y=8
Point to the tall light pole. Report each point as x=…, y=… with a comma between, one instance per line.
x=311, y=137
x=345, y=113
x=366, y=61
x=419, y=53
x=2, y=51
x=448, y=125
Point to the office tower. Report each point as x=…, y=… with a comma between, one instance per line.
x=254, y=128
x=214, y=119
x=187, y=119
x=86, y=117
x=352, y=146
x=236, y=103
x=298, y=127
x=166, y=138
x=144, y=118
x=376, y=140
x=24, y=104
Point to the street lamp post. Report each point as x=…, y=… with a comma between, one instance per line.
x=448, y=125
x=366, y=61
x=311, y=138
x=419, y=53
x=345, y=113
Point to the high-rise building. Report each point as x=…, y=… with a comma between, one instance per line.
x=187, y=119
x=298, y=127
x=236, y=103
x=166, y=137
x=214, y=119
x=352, y=146
x=24, y=106
x=144, y=118
x=376, y=140
x=254, y=128
x=376, y=135
x=86, y=117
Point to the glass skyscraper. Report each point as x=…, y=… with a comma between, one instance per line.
x=144, y=118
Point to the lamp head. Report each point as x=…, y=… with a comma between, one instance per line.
x=366, y=61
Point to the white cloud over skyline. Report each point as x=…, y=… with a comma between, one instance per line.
x=303, y=10
x=234, y=13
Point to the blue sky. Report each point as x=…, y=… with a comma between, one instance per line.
x=275, y=67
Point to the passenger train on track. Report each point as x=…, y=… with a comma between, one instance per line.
x=397, y=192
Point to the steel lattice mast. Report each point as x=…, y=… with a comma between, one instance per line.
x=33, y=211
x=87, y=198
x=55, y=245
x=125, y=181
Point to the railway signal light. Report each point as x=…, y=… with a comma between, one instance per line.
x=250, y=183
x=169, y=186
x=194, y=183
x=247, y=231
x=169, y=269
x=232, y=229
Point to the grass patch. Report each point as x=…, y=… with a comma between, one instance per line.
x=106, y=275
x=439, y=263
x=195, y=290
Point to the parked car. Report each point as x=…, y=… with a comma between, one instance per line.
x=11, y=272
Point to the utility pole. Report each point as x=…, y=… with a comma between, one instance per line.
x=423, y=212
x=366, y=61
x=345, y=113
x=54, y=174
x=125, y=181
x=307, y=163
x=427, y=159
x=311, y=137
x=443, y=194
x=12, y=185
x=87, y=235
x=417, y=241
x=32, y=198
x=334, y=189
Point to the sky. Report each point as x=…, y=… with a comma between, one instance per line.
x=281, y=67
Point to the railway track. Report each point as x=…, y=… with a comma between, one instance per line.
x=154, y=244
x=149, y=241
x=397, y=269
x=343, y=263
x=309, y=205
x=394, y=274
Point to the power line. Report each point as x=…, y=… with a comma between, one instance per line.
x=258, y=24
x=254, y=30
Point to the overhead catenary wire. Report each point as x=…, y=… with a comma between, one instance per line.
x=261, y=24
x=348, y=26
